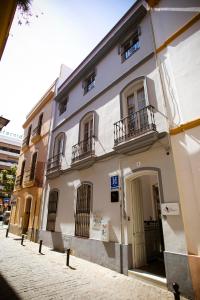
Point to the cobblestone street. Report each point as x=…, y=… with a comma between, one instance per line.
x=26, y=274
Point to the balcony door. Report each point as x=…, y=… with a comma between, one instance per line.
x=137, y=115
x=87, y=136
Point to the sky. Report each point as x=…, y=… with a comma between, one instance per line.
x=59, y=32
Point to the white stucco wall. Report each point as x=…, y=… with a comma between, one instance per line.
x=107, y=108
x=186, y=149
x=180, y=68
x=99, y=175
x=109, y=69
x=169, y=16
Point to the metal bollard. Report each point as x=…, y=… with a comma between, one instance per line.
x=176, y=292
x=22, y=240
x=40, y=247
x=68, y=254
x=7, y=230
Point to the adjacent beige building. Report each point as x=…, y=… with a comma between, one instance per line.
x=25, y=216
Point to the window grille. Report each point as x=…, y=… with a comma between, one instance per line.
x=82, y=217
x=52, y=210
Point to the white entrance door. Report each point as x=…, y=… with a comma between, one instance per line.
x=138, y=244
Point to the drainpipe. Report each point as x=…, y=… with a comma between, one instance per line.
x=121, y=214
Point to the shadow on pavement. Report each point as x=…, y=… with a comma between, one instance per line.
x=6, y=291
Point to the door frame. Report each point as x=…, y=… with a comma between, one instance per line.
x=25, y=210
x=135, y=174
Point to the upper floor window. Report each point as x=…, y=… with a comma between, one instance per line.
x=22, y=172
x=89, y=83
x=87, y=123
x=33, y=166
x=52, y=210
x=40, y=123
x=83, y=210
x=130, y=46
x=134, y=106
x=59, y=144
x=62, y=107
x=27, y=138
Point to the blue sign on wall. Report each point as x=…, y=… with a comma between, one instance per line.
x=6, y=200
x=114, y=182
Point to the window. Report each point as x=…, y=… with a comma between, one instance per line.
x=86, y=133
x=59, y=144
x=52, y=210
x=89, y=83
x=62, y=107
x=33, y=166
x=22, y=172
x=135, y=108
x=83, y=204
x=85, y=148
x=28, y=135
x=130, y=46
x=40, y=123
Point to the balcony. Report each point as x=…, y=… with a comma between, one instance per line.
x=83, y=153
x=34, y=177
x=18, y=182
x=36, y=134
x=136, y=132
x=25, y=143
x=29, y=179
x=54, y=165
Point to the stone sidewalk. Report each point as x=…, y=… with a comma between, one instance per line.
x=26, y=274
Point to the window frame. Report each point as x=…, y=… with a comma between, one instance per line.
x=59, y=137
x=52, y=211
x=28, y=135
x=130, y=45
x=40, y=119
x=87, y=118
x=89, y=82
x=33, y=165
x=83, y=210
x=62, y=106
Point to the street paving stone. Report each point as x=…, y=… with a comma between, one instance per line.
x=25, y=275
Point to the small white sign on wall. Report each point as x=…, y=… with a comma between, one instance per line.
x=100, y=228
x=170, y=209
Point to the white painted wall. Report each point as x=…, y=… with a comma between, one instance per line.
x=186, y=150
x=110, y=102
x=169, y=16
x=109, y=69
x=99, y=174
x=180, y=68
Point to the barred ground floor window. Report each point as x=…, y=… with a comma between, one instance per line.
x=83, y=208
x=52, y=210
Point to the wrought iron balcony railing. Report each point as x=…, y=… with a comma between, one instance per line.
x=36, y=134
x=18, y=181
x=25, y=142
x=54, y=163
x=134, y=125
x=36, y=130
x=29, y=176
x=83, y=149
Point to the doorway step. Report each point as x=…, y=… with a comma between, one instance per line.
x=146, y=277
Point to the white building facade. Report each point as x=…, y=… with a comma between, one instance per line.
x=112, y=192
